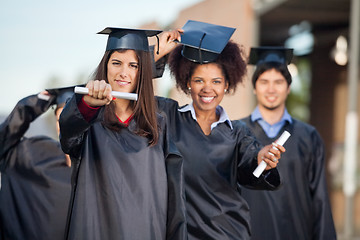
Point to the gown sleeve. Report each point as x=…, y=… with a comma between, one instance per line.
x=248, y=148
x=323, y=225
x=17, y=123
x=73, y=128
x=176, y=225
x=167, y=106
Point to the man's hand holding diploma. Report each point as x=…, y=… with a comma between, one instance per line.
x=269, y=155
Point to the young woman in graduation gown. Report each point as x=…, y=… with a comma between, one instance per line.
x=219, y=154
x=127, y=176
x=35, y=175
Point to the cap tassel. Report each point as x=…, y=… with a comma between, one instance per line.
x=158, y=44
x=202, y=38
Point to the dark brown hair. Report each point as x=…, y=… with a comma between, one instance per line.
x=231, y=60
x=144, y=107
x=280, y=67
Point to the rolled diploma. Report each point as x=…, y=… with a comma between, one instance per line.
x=281, y=140
x=124, y=95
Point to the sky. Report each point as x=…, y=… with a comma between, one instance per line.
x=45, y=39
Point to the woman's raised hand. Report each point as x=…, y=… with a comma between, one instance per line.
x=167, y=43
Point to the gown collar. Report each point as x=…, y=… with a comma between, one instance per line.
x=270, y=130
x=256, y=115
x=219, y=111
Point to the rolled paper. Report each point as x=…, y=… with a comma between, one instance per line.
x=123, y=95
x=281, y=140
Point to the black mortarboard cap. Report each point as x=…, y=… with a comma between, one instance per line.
x=126, y=38
x=203, y=42
x=62, y=94
x=260, y=55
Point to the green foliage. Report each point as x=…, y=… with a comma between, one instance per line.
x=299, y=98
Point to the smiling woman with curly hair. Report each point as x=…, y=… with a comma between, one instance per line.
x=219, y=154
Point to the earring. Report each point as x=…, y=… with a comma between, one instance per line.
x=189, y=88
x=225, y=90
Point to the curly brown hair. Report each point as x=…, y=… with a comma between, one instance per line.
x=231, y=60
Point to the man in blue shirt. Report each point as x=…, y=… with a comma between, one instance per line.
x=300, y=208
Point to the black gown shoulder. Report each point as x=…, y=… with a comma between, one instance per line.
x=35, y=180
x=302, y=201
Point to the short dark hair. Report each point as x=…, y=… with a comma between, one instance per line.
x=231, y=60
x=281, y=68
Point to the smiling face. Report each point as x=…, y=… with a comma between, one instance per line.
x=122, y=71
x=208, y=86
x=271, y=89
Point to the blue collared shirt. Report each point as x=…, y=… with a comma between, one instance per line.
x=219, y=111
x=270, y=130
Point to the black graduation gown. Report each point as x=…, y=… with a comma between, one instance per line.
x=300, y=208
x=122, y=188
x=214, y=165
x=35, y=180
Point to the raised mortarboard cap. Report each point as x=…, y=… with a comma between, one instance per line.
x=261, y=55
x=62, y=94
x=203, y=42
x=126, y=38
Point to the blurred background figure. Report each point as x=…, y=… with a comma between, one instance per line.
x=35, y=173
x=300, y=208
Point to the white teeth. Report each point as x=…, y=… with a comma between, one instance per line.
x=271, y=98
x=207, y=99
x=122, y=83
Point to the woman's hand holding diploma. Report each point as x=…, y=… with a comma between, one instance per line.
x=99, y=93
